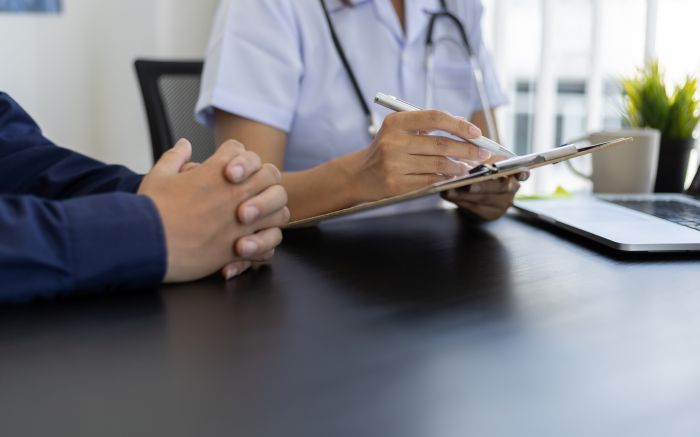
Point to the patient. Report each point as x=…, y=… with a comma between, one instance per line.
x=69, y=223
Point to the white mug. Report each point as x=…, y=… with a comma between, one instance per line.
x=625, y=168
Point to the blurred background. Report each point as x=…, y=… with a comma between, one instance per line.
x=73, y=71
x=560, y=62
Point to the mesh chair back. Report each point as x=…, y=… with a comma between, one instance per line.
x=170, y=90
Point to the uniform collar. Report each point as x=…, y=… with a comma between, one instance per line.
x=420, y=5
x=336, y=5
x=416, y=16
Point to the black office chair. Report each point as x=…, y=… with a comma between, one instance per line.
x=170, y=90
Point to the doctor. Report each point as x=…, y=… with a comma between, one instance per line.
x=294, y=81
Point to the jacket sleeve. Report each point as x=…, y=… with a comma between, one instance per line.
x=31, y=164
x=69, y=223
x=93, y=243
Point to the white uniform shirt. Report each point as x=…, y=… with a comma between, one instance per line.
x=273, y=61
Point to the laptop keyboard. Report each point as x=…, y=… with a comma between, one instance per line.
x=674, y=211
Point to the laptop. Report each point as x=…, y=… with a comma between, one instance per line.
x=627, y=222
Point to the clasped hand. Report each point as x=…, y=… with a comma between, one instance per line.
x=225, y=212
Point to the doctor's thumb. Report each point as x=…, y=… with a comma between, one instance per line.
x=174, y=159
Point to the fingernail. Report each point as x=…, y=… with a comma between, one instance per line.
x=237, y=173
x=484, y=154
x=249, y=248
x=475, y=188
x=474, y=131
x=250, y=213
x=231, y=273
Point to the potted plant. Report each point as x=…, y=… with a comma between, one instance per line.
x=648, y=104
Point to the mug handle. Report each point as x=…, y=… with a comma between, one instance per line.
x=573, y=169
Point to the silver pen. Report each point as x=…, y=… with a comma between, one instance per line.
x=399, y=105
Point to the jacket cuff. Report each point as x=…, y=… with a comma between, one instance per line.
x=116, y=241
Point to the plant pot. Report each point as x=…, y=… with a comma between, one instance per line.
x=673, y=164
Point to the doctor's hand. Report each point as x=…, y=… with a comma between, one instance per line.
x=404, y=157
x=487, y=200
x=210, y=222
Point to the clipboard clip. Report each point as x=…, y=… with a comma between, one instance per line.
x=479, y=170
x=482, y=169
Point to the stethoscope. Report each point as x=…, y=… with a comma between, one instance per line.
x=429, y=67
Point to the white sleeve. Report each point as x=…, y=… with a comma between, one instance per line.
x=253, y=65
x=494, y=91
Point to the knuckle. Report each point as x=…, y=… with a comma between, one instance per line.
x=267, y=171
x=277, y=236
x=233, y=146
x=286, y=215
x=222, y=160
x=229, y=150
x=272, y=172
x=463, y=125
x=473, y=153
x=457, y=169
x=391, y=120
x=275, y=233
x=433, y=115
x=385, y=146
x=442, y=144
x=440, y=165
x=254, y=159
x=282, y=193
x=247, y=157
x=278, y=173
x=437, y=116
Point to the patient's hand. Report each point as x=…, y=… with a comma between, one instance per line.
x=487, y=200
x=264, y=241
x=210, y=221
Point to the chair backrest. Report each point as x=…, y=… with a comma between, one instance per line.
x=170, y=90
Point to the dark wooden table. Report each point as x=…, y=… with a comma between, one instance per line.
x=420, y=325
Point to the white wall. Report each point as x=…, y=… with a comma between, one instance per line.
x=74, y=72
x=44, y=65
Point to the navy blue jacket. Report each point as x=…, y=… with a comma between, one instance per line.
x=69, y=223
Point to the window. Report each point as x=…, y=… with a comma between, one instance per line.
x=561, y=62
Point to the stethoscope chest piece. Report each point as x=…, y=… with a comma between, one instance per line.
x=373, y=130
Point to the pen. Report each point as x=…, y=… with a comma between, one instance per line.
x=399, y=105
x=534, y=158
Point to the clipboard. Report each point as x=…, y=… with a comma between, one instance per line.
x=481, y=173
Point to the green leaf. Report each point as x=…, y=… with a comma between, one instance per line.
x=647, y=103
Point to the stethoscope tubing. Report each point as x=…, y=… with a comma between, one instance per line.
x=429, y=68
